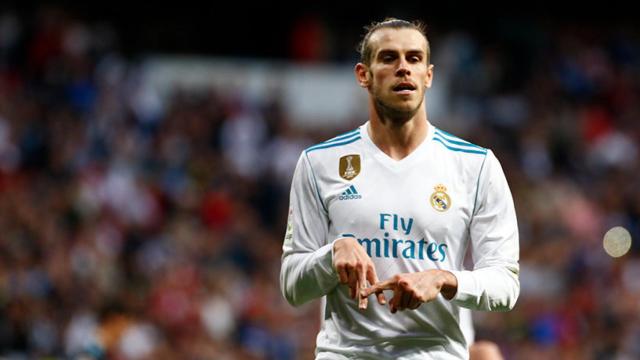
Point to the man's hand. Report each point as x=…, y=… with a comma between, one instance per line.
x=354, y=268
x=410, y=290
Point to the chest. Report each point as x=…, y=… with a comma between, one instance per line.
x=430, y=199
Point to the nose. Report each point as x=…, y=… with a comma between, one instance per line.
x=403, y=68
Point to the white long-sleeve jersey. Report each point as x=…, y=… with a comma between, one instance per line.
x=414, y=214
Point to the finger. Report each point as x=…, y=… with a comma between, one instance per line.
x=414, y=304
x=363, y=302
x=385, y=285
x=353, y=283
x=373, y=279
x=405, y=300
x=393, y=304
x=342, y=274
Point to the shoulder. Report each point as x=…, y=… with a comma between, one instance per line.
x=465, y=158
x=336, y=146
x=454, y=144
x=341, y=140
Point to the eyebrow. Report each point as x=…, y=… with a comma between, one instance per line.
x=393, y=52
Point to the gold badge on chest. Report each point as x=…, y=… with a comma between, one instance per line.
x=349, y=166
x=440, y=200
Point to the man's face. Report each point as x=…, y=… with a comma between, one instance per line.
x=398, y=73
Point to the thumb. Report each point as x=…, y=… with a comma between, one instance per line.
x=372, y=277
x=385, y=285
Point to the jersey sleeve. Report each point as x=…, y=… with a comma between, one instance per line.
x=307, y=269
x=493, y=284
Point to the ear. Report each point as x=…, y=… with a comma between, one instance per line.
x=429, y=76
x=361, y=72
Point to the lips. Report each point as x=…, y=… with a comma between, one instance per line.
x=404, y=86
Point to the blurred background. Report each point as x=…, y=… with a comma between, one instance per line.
x=146, y=158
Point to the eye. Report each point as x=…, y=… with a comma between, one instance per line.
x=415, y=58
x=388, y=58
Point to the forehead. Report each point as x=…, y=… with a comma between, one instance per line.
x=397, y=39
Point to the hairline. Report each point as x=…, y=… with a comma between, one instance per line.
x=365, y=47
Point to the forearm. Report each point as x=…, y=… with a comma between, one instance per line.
x=305, y=276
x=493, y=288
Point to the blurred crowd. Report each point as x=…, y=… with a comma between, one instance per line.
x=132, y=233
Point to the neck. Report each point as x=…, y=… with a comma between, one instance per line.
x=398, y=140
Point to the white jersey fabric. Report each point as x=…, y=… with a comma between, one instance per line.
x=414, y=214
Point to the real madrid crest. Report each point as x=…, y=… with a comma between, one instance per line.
x=349, y=166
x=440, y=200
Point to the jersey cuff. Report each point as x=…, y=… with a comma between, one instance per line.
x=466, y=285
x=324, y=257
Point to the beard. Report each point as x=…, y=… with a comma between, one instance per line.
x=394, y=114
x=398, y=116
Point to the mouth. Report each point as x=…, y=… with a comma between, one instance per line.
x=404, y=87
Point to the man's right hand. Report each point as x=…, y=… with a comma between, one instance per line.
x=355, y=268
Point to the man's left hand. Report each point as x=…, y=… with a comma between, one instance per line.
x=410, y=290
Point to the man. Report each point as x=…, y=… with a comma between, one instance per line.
x=400, y=200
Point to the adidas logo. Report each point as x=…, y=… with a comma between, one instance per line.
x=350, y=194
